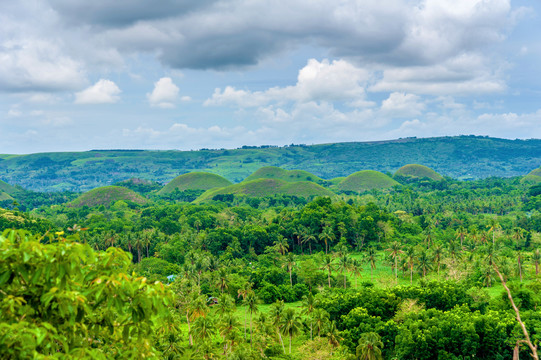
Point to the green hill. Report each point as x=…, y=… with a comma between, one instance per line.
x=8, y=189
x=141, y=186
x=366, y=180
x=533, y=177
x=107, y=196
x=269, y=187
x=5, y=196
x=195, y=181
x=273, y=172
x=459, y=157
x=416, y=171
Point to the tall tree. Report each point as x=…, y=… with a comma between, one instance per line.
x=394, y=251
x=291, y=324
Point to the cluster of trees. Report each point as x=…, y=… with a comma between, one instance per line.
x=410, y=273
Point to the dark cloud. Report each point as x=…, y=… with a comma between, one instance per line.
x=112, y=13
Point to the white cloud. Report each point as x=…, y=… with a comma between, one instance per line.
x=402, y=105
x=102, y=92
x=165, y=93
x=317, y=81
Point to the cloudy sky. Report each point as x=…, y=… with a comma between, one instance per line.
x=140, y=74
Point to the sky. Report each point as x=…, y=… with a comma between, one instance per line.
x=139, y=74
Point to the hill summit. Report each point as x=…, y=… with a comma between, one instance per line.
x=416, y=171
x=195, y=181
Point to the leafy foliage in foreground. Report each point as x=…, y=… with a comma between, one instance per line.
x=63, y=299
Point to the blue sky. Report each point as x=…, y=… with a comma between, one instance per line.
x=135, y=74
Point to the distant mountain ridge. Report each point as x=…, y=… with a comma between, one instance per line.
x=461, y=157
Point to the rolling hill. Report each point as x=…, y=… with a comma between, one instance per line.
x=459, y=157
x=107, y=196
x=195, y=181
x=533, y=177
x=269, y=187
x=366, y=180
x=416, y=171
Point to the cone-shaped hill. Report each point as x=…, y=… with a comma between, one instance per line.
x=273, y=172
x=269, y=187
x=195, y=181
x=416, y=171
x=366, y=180
x=107, y=195
x=533, y=177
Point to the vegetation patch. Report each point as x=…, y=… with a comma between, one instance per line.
x=7, y=188
x=269, y=187
x=195, y=181
x=416, y=171
x=366, y=180
x=107, y=196
x=273, y=172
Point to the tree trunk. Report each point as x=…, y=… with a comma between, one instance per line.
x=329, y=278
x=189, y=331
x=525, y=332
x=290, y=338
x=290, y=278
x=281, y=340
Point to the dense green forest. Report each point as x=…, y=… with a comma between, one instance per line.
x=410, y=265
x=462, y=157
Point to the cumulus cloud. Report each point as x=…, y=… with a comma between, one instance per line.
x=402, y=105
x=165, y=93
x=317, y=81
x=102, y=92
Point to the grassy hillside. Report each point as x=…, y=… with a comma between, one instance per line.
x=8, y=189
x=269, y=187
x=366, y=180
x=107, y=196
x=195, y=181
x=273, y=172
x=5, y=196
x=416, y=171
x=462, y=157
x=533, y=177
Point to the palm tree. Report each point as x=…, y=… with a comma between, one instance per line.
x=291, y=324
x=251, y=304
x=423, y=262
x=204, y=328
x=320, y=319
x=309, y=237
x=372, y=258
x=519, y=264
x=225, y=305
x=369, y=347
x=355, y=268
x=333, y=335
x=492, y=226
x=281, y=245
x=343, y=265
x=395, y=250
x=410, y=259
x=244, y=294
x=536, y=258
x=222, y=279
x=276, y=313
x=308, y=303
x=289, y=262
x=461, y=233
x=195, y=309
x=329, y=266
x=229, y=326
x=437, y=253
x=327, y=235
